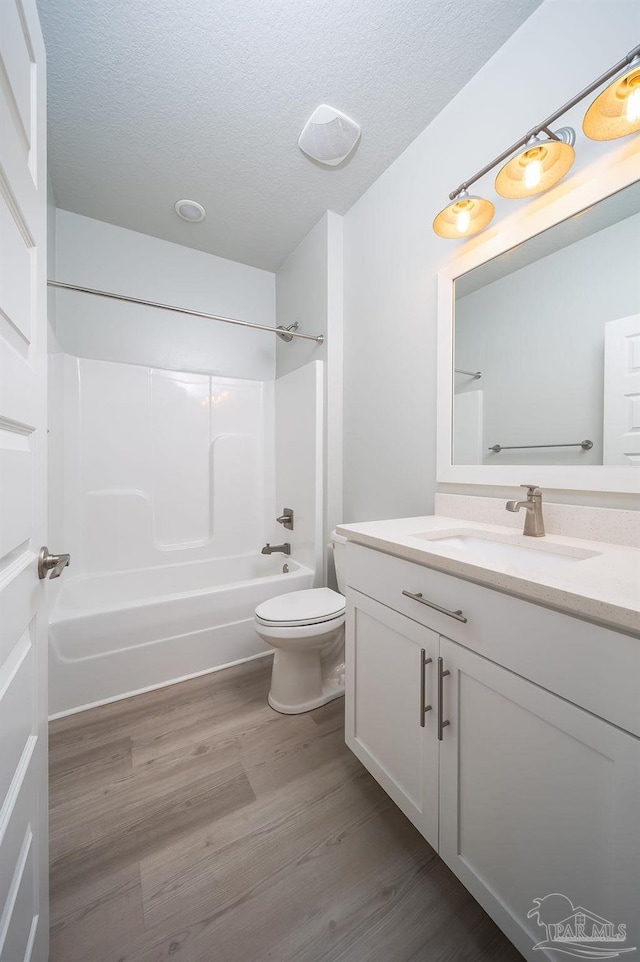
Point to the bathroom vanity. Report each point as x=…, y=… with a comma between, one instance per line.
x=493, y=679
x=495, y=697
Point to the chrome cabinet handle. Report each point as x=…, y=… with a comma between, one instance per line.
x=424, y=661
x=444, y=611
x=55, y=563
x=442, y=724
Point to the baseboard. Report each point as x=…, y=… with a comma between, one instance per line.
x=162, y=684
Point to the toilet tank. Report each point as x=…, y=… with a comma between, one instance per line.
x=338, y=543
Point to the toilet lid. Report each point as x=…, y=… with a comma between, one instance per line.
x=309, y=607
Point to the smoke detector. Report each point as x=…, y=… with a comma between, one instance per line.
x=329, y=136
x=190, y=211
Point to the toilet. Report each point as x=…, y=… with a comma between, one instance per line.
x=306, y=628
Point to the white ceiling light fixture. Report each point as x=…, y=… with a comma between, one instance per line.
x=190, y=211
x=329, y=136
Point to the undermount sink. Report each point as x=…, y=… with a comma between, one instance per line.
x=485, y=549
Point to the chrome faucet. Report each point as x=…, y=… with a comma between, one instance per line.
x=272, y=548
x=533, y=522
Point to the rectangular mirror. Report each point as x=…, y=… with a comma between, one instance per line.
x=546, y=346
x=545, y=349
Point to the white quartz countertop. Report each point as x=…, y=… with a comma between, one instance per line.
x=601, y=585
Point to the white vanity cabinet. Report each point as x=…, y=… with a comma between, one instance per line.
x=525, y=793
x=391, y=662
x=536, y=796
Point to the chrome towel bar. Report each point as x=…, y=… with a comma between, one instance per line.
x=497, y=448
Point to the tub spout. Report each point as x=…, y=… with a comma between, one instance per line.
x=272, y=548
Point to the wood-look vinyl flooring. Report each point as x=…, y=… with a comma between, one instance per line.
x=195, y=824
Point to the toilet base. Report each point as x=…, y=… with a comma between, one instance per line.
x=302, y=680
x=327, y=696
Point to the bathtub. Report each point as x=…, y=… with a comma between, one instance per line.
x=116, y=634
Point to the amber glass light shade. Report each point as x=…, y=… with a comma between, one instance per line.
x=616, y=112
x=465, y=216
x=537, y=168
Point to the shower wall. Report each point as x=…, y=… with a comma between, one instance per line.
x=161, y=467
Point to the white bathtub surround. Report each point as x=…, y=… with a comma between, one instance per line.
x=298, y=464
x=161, y=467
x=601, y=585
x=168, y=481
x=611, y=525
x=114, y=635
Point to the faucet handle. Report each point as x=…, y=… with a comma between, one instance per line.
x=286, y=518
x=533, y=491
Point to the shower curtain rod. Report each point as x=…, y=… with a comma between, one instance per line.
x=286, y=333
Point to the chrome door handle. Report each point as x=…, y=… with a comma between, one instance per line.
x=442, y=724
x=424, y=661
x=444, y=611
x=55, y=563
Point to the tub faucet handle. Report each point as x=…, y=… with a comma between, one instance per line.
x=286, y=518
x=55, y=563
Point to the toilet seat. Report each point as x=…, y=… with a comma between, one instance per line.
x=312, y=606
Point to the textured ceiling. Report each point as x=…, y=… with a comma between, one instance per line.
x=155, y=100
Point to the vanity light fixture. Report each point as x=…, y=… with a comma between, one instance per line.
x=544, y=161
x=543, y=156
x=616, y=111
x=467, y=215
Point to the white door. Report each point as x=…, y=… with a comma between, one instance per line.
x=622, y=391
x=23, y=638
x=538, y=798
x=389, y=684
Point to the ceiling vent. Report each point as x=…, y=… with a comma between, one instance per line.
x=329, y=136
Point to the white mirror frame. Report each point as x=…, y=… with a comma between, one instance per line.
x=609, y=175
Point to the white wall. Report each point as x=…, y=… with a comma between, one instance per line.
x=298, y=461
x=301, y=295
x=94, y=254
x=160, y=467
x=309, y=289
x=392, y=255
x=537, y=335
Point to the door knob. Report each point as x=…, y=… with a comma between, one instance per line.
x=51, y=562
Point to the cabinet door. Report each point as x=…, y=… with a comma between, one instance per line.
x=386, y=724
x=538, y=798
